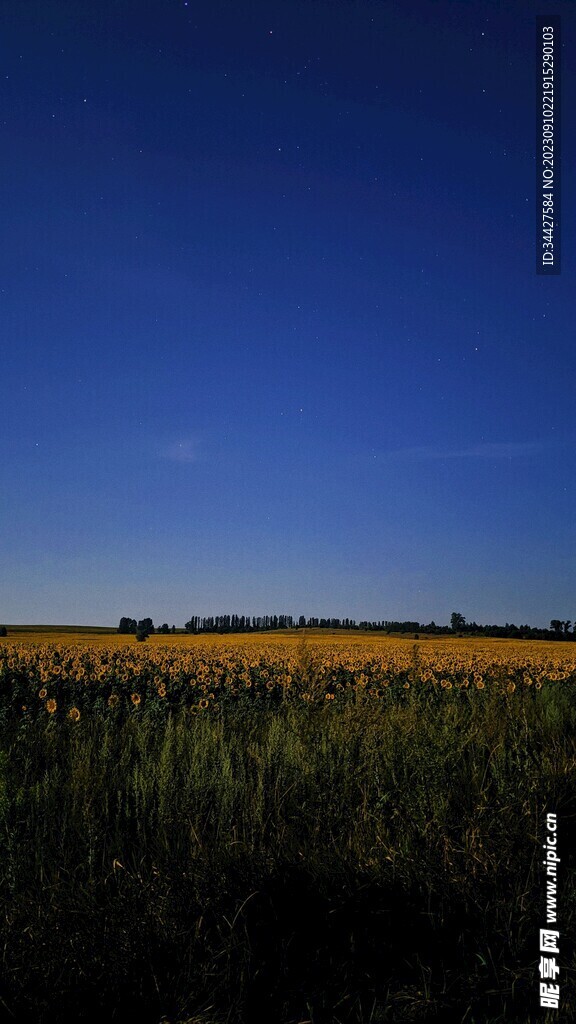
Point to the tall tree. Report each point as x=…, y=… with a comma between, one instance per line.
x=145, y=626
x=127, y=625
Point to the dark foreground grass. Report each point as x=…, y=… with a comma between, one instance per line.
x=300, y=863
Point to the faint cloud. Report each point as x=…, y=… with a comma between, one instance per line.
x=187, y=449
x=488, y=450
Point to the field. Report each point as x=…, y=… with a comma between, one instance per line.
x=317, y=828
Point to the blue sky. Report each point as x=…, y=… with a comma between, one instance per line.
x=273, y=340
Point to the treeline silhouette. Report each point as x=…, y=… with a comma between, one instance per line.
x=458, y=625
x=560, y=629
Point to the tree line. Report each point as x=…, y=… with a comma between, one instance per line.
x=559, y=628
x=143, y=628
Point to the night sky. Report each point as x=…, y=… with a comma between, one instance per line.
x=272, y=336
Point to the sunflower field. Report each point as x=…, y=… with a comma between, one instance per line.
x=329, y=828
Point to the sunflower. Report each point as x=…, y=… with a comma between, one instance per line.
x=42, y=693
x=511, y=687
x=74, y=714
x=113, y=700
x=203, y=704
x=51, y=706
x=135, y=698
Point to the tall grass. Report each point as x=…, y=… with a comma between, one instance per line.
x=306, y=862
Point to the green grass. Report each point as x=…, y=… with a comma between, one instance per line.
x=14, y=631
x=300, y=863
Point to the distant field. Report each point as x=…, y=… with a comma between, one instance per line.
x=59, y=630
x=289, y=639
